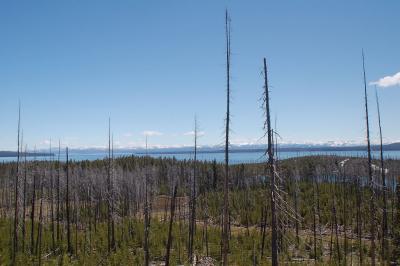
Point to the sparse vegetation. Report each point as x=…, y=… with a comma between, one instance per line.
x=247, y=201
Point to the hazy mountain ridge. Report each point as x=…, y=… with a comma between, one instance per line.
x=218, y=148
x=243, y=148
x=28, y=154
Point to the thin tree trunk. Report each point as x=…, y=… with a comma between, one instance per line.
x=40, y=226
x=319, y=212
x=225, y=238
x=393, y=200
x=335, y=222
x=109, y=215
x=296, y=209
x=315, y=222
x=345, y=206
x=113, y=246
x=359, y=221
x=206, y=234
x=69, y=244
x=172, y=213
x=58, y=194
x=274, y=240
x=352, y=205
x=24, y=202
x=90, y=218
x=180, y=231
x=15, y=242
x=146, y=215
x=76, y=221
x=372, y=210
x=192, y=226
x=53, y=241
x=33, y=209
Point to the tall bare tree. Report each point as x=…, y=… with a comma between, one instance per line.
x=15, y=242
x=270, y=166
x=225, y=238
x=69, y=244
x=113, y=246
x=24, y=200
x=192, y=226
x=33, y=200
x=372, y=210
x=53, y=242
x=146, y=213
x=58, y=193
x=109, y=215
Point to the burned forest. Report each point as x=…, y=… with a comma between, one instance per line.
x=140, y=209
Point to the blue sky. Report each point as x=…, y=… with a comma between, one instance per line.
x=152, y=65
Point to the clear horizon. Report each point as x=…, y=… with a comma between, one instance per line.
x=329, y=144
x=152, y=66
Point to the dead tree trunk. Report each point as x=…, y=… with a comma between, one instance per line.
x=225, y=238
x=33, y=209
x=359, y=220
x=146, y=214
x=336, y=222
x=75, y=213
x=109, y=215
x=15, y=242
x=69, y=244
x=58, y=194
x=319, y=211
x=192, y=226
x=40, y=226
x=296, y=209
x=345, y=206
x=206, y=226
x=270, y=165
x=372, y=210
x=171, y=220
x=24, y=202
x=53, y=241
x=315, y=219
x=113, y=246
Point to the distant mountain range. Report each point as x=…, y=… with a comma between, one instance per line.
x=283, y=147
x=28, y=154
x=217, y=149
x=241, y=148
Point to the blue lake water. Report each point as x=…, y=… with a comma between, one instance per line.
x=234, y=157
